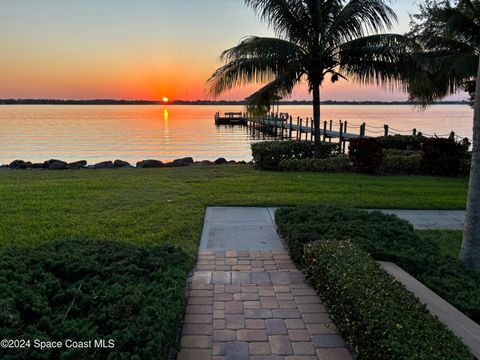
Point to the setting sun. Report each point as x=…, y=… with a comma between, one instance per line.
x=165, y=99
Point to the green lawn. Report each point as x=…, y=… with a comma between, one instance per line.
x=449, y=241
x=167, y=205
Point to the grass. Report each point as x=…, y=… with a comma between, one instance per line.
x=167, y=205
x=449, y=241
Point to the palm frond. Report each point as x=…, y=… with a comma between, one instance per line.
x=266, y=47
x=287, y=17
x=361, y=17
x=255, y=60
x=281, y=87
x=382, y=59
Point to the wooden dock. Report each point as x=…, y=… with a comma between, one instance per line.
x=231, y=118
x=285, y=126
x=288, y=127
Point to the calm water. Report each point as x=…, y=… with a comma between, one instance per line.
x=132, y=133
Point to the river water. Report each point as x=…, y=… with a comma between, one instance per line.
x=133, y=133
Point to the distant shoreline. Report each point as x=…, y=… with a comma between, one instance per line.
x=201, y=102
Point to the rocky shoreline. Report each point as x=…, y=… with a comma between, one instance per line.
x=55, y=164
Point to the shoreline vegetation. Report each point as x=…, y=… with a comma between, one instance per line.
x=202, y=102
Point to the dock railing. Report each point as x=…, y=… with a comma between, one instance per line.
x=286, y=126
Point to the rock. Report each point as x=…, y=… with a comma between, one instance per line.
x=20, y=164
x=104, y=165
x=46, y=164
x=204, y=163
x=182, y=162
x=221, y=161
x=77, y=164
x=57, y=165
x=145, y=164
x=120, y=164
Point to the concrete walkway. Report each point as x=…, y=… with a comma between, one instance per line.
x=431, y=219
x=248, y=301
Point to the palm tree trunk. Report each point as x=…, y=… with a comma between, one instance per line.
x=316, y=117
x=470, y=254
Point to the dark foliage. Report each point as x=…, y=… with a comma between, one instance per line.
x=387, y=238
x=403, y=142
x=448, y=63
x=85, y=290
x=366, y=154
x=379, y=316
x=267, y=155
x=443, y=156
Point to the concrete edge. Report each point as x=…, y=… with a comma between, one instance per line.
x=460, y=324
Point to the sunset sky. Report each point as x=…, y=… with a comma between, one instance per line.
x=135, y=49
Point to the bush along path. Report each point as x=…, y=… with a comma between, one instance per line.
x=253, y=304
x=336, y=248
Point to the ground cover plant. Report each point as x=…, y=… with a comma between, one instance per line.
x=381, y=318
x=86, y=290
x=387, y=238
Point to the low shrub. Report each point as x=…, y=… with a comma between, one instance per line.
x=337, y=164
x=403, y=142
x=381, y=318
x=395, y=152
x=443, y=156
x=388, y=238
x=401, y=165
x=87, y=289
x=366, y=154
x=267, y=155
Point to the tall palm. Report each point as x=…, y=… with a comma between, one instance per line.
x=449, y=62
x=316, y=39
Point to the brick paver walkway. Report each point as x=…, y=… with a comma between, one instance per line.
x=255, y=305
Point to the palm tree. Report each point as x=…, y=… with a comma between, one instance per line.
x=316, y=39
x=450, y=62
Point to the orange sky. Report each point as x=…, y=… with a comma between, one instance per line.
x=134, y=49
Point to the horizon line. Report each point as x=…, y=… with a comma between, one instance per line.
x=106, y=101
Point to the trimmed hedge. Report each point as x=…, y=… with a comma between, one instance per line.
x=366, y=154
x=337, y=164
x=388, y=238
x=403, y=142
x=381, y=318
x=401, y=164
x=443, y=156
x=267, y=155
x=88, y=289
